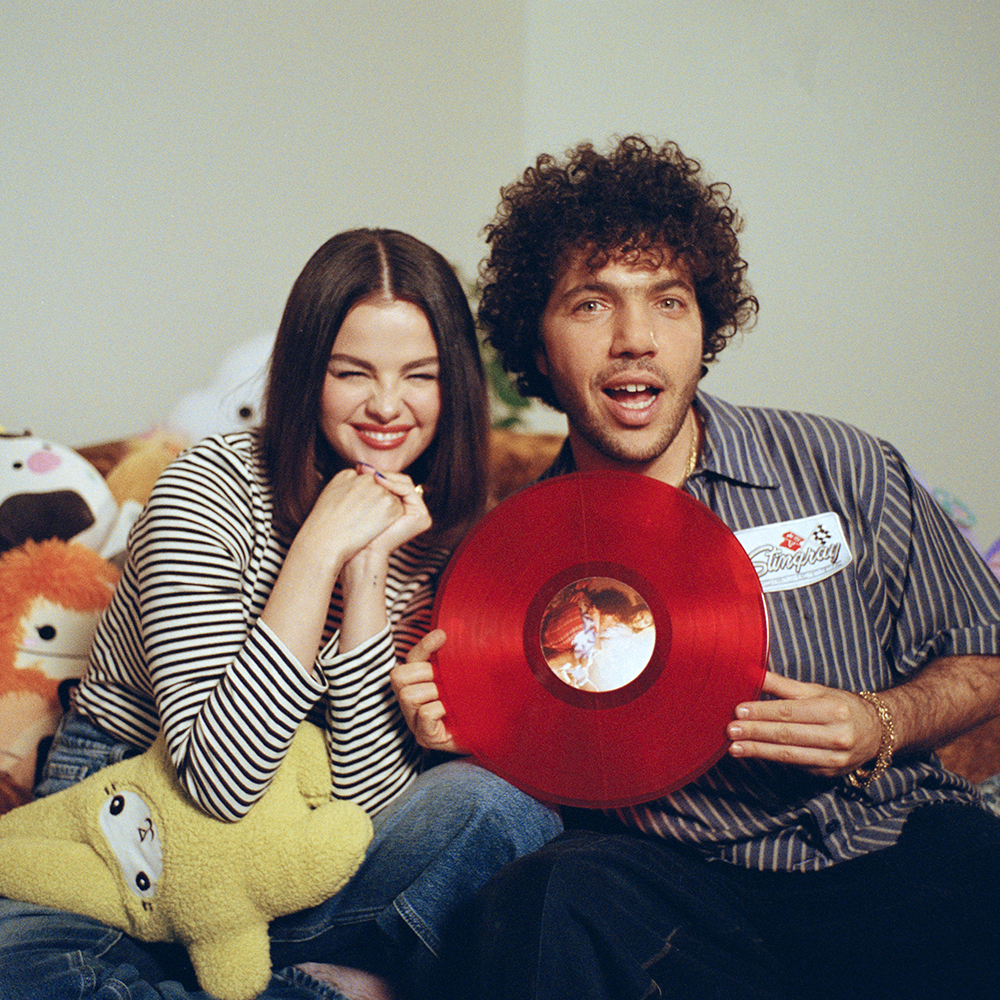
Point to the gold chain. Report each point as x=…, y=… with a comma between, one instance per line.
x=693, y=454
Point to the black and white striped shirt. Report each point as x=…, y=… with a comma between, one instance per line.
x=913, y=590
x=181, y=645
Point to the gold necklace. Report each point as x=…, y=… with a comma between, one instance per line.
x=693, y=454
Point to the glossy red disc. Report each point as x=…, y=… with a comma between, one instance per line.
x=602, y=627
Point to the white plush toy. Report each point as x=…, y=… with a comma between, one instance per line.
x=232, y=401
x=50, y=491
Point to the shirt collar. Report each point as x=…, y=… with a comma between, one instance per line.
x=730, y=446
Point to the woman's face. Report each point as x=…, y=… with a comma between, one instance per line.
x=381, y=398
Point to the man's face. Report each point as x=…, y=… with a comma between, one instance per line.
x=622, y=348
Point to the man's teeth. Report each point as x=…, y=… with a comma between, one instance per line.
x=640, y=390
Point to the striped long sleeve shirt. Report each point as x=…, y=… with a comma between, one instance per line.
x=866, y=580
x=181, y=646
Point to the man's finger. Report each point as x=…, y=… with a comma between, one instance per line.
x=430, y=643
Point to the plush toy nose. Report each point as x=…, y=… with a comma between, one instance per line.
x=43, y=461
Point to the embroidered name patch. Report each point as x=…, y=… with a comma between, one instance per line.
x=796, y=553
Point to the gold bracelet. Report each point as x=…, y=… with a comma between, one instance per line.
x=862, y=777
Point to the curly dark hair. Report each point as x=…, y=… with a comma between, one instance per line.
x=635, y=202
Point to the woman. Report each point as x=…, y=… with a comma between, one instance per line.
x=276, y=575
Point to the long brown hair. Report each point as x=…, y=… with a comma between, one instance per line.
x=350, y=267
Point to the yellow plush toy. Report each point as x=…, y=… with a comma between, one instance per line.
x=127, y=847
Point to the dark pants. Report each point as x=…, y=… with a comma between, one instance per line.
x=620, y=916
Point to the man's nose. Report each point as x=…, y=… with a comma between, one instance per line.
x=633, y=334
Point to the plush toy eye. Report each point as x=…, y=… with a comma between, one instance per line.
x=46, y=632
x=117, y=805
x=142, y=882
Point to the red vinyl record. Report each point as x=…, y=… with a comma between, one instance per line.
x=602, y=627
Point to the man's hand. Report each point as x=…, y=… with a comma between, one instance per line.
x=413, y=682
x=823, y=730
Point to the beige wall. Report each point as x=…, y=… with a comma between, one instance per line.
x=860, y=143
x=168, y=167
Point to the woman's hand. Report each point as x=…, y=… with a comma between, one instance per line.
x=413, y=682
x=363, y=577
x=414, y=519
x=352, y=509
x=823, y=730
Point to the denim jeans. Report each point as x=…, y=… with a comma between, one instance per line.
x=435, y=845
x=598, y=915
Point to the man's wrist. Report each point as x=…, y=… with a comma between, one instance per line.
x=863, y=777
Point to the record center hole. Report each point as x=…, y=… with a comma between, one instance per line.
x=597, y=634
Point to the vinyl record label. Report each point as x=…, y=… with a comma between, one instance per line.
x=602, y=627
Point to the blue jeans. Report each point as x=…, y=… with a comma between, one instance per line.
x=434, y=847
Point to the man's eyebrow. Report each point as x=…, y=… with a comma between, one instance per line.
x=669, y=284
x=588, y=286
x=607, y=287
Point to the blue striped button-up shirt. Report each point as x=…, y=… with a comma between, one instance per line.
x=912, y=590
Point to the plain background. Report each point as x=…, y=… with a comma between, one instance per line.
x=168, y=167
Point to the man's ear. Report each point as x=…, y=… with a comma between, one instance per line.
x=542, y=362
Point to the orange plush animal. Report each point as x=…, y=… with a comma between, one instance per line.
x=51, y=596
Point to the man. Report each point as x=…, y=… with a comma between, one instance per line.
x=828, y=853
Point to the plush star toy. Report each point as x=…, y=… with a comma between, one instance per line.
x=129, y=848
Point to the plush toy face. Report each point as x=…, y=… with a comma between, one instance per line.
x=55, y=641
x=50, y=491
x=135, y=841
x=53, y=595
x=128, y=847
x=233, y=400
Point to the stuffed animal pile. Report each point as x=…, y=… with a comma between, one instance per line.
x=61, y=534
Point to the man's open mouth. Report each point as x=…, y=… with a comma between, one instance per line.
x=633, y=395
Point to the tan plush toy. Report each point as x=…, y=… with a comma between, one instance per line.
x=133, y=476
x=127, y=847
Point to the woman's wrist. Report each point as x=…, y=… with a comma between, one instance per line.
x=323, y=557
x=366, y=569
